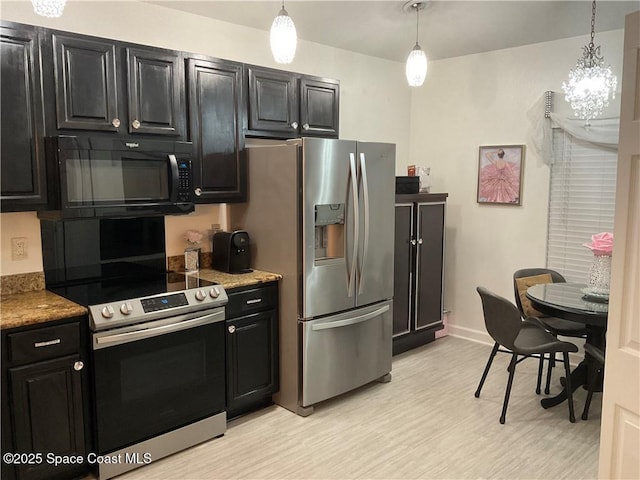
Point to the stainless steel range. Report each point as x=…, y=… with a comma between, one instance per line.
x=157, y=344
x=159, y=372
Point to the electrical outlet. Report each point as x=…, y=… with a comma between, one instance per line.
x=18, y=248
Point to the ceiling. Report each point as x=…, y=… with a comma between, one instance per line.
x=447, y=28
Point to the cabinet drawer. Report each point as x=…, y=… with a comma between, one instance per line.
x=43, y=343
x=252, y=300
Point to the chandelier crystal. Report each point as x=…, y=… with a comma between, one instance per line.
x=49, y=8
x=590, y=83
x=283, y=37
x=416, y=68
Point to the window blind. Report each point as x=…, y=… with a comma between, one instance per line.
x=581, y=203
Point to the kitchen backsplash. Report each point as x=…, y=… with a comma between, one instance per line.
x=21, y=282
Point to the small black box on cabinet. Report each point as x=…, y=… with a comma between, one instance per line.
x=405, y=185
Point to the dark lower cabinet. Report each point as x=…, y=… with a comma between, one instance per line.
x=418, y=269
x=43, y=402
x=252, y=348
x=23, y=173
x=216, y=119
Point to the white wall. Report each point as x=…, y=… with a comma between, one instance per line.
x=484, y=100
x=374, y=97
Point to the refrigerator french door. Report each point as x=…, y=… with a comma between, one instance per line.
x=347, y=265
x=321, y=213
x=347, y=224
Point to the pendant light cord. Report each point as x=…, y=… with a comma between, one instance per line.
x=593, y=22
x=417, y=7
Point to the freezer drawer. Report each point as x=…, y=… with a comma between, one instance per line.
x=345, y=351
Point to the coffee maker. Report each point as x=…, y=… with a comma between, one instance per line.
x=231, y=252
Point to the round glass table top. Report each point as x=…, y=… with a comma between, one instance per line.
x=569, y=300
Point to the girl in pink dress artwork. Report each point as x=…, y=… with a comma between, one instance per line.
x=499, y=177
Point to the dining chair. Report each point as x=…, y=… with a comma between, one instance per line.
x=597, y=357
x=520, y=338
x=527, y=277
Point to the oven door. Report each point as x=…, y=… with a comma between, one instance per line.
x=155, y=377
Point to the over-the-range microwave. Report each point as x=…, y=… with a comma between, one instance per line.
x=117, y=177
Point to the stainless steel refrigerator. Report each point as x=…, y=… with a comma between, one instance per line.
x=321, y=213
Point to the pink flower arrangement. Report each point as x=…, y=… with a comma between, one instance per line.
x=601, y=243
x=193, y=236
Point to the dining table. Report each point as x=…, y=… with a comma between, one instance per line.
x=575, y=302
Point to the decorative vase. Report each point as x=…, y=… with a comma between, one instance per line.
x=600, y=275
x=192, y=258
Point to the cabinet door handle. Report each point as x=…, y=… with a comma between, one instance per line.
x=77, y=366
x=413, y=242
x=115, y=122
x=254, y=300
x=198, y=191
x=294, y=125
x=135, y=124
x=231, y=328
x=419, y=241
x=305, y=126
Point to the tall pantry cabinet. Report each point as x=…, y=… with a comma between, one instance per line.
x=419, y=269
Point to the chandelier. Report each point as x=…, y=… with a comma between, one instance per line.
x=416, y=69
x=590, y=83
x=283, y=37
x=48, y=8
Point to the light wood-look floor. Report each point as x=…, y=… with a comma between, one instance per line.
x=424, y=424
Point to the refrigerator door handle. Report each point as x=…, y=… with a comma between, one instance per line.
x=365, y=196
x=356, y=222
x=351, y=321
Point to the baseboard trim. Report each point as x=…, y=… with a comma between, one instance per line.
x=484, y=338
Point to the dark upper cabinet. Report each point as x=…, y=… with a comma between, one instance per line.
x=105, y=86
x=85, y=84
x=23, y=173
x=155, y=92
x=273, y=102
x=216, y=117
x=319, y=107
x=284, y=104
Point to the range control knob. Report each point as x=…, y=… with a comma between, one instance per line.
x=200, y=295
x=107, y=312
x=214, y=292
x=126, y=308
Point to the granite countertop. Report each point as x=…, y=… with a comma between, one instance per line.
x=31, y=308
x=234, y=280
x=35, y=307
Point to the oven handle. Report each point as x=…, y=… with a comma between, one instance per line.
x=120, y=338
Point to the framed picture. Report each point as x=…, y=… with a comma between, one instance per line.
x=500, y=174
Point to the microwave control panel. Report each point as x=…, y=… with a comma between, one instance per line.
x=184, y=181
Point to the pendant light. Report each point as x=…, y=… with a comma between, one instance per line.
x=48, y=8
x=283, y=37
x=590, y=83
x=416, y=69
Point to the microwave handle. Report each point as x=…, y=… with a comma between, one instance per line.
x=175, y=180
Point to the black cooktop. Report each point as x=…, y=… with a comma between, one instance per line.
x=101, y=291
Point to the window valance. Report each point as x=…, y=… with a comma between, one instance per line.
x=603, y=132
